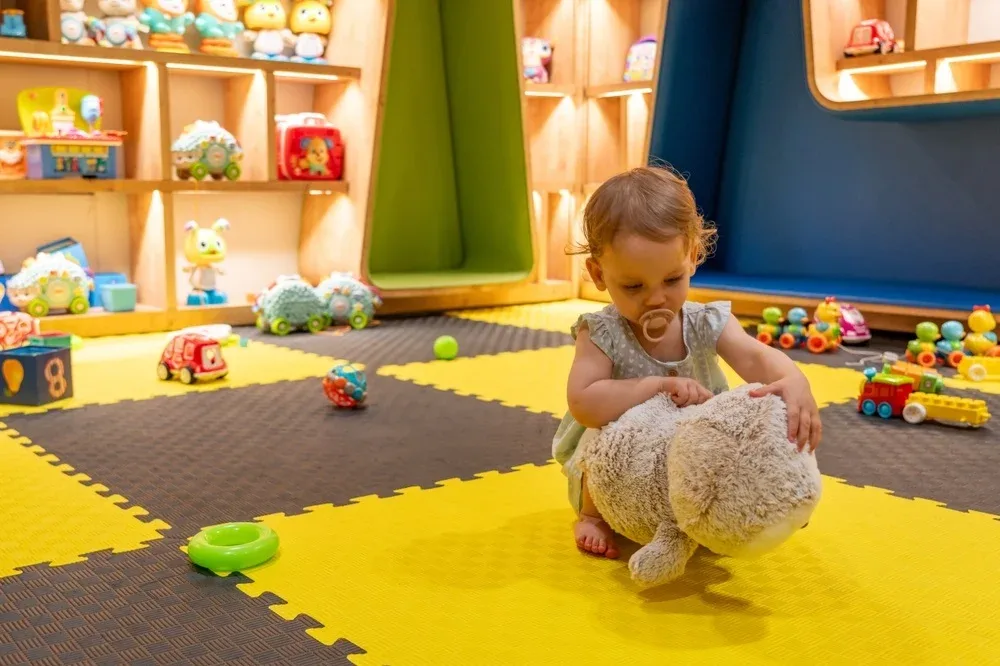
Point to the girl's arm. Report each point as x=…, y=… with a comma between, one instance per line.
x=595, y=399
x=756, y=362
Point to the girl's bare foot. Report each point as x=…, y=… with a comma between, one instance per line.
x=593, y=535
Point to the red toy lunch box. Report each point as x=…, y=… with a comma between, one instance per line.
x=309, y=148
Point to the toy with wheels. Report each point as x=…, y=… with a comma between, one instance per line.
x=290, y=304
x=890, y=395
x=823, y=334
x=982, y=339
x=980, y=368
x=206, y=149
x=50, y=283
x=923, y=350
x=348, y=300
x=853, y=327
x=950, y=349
x=769, y=330
x=346, y=386
x=192, y=357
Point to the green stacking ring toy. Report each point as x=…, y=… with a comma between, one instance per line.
x=233, y=546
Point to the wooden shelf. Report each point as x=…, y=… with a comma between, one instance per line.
x=96, y=322
x=619, y=89
x=36, y=52
x=945, y=71
x=81, y=186
x=549, y=90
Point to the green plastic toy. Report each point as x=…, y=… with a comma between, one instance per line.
x=446, y=347
x=233, y=546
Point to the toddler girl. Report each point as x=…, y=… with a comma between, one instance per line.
x=645, y=238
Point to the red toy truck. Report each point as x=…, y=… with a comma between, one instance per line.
x=872, y=36
x=192, y=357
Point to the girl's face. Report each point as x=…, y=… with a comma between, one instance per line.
x=643, y=275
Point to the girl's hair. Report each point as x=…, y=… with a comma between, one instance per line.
x=651, y=201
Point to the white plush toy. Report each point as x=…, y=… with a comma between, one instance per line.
x=722, y=475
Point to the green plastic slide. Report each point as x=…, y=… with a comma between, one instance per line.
x=451, y=201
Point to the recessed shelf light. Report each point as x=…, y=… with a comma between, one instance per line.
x=211, y=68
x=309, y=76
x=889, y=68
x=19, y=55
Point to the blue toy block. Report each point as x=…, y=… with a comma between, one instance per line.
x=68, y=246
x=118, y=297
x=35, y=375
x=53, y=158
x=101, y=279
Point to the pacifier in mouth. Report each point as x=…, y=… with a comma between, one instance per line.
x=657, y=320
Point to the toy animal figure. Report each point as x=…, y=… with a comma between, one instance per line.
x=120, y=26
x=288, y=304
x=218, y=23
x=12, y=166
x=949, y=348
x=167, y=21
x=74, y=23
x=310, y=24
x=348, y=300
x=205, y=248
x=16, y=329
x=205, y=149
x=266, y=28
x=13, y=24
x=721, y=475
x=50, y=282
x=536, y=55
x=640, y=60
x=982, y=340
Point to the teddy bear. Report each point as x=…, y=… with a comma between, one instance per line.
x=721, y=475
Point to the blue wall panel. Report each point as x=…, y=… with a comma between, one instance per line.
x=805, y=193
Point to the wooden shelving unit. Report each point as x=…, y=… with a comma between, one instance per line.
x=134, y=225
x=593, y=124
x=950, y=51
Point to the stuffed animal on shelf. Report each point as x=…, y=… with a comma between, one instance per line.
x=218, y=23
x=536, y=55
x=74, y=23
x=266, y=24
x=640, y=60
x=722, y=475
x=310, y=24
x=12, y=165
x=119, y=27
x=167, y=21
x=205, y=248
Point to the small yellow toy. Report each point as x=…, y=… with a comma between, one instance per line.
x=981, y=340
x=310, y=22
x=205, y=248
x=980, y=368
x=266, y=24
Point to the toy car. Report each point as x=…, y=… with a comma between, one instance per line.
x=872, y=36
x=853, y=328
x=192, y=357
x=980, y=368
x=887, y=394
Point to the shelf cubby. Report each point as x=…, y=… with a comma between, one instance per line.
x=947, y=68
x=134, y=224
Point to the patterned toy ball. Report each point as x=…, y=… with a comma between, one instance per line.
x=346, y=386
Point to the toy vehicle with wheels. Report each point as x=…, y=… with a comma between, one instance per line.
x=192, y=357
x=290, y=304
x=887, y=395
x=769, y=331
x=926, y=379
x=348, y=300
x=205, y=149
x=923, y=349
x=50, y=283
x=823, y=334
x=980, y=368
x=872, y=36
x=950, y=349
x=853, y=327
x=982, y=338
x=793, y=333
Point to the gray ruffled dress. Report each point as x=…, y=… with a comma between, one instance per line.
x=702, y=326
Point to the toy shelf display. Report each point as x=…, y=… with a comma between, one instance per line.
x=589, y=71
x=903, y=59
x=185, y=134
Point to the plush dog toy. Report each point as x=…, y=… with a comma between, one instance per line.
x=722, y=475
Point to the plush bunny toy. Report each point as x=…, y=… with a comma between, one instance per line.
x=722, y=475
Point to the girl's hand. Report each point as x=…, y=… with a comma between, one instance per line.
x=804, y=425
x=684, y=391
